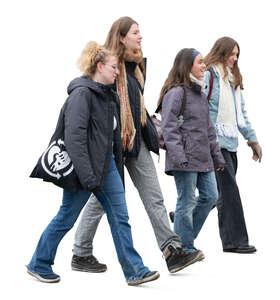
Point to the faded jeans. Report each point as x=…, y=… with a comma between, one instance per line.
x=191, y=211
x=143, y=174
x=112, y=198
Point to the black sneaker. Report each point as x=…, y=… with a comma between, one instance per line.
x=177, y=259
x=245, y=249
x=87, y=264
x=200, y=255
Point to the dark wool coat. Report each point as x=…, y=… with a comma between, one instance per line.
x=89, y=134
x=195, y=141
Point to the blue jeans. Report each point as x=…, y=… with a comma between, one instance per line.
x=191, y=211
x=112, y=198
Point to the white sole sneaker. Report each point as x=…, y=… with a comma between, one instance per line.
x=143, y=280
x=40, y=278
x=200, y=256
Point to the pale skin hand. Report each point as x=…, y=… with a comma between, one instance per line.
x=185, y=164
x=257, y=151
x=257, y=154
x=220, y=169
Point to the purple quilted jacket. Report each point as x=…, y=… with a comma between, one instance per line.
x=195, y=141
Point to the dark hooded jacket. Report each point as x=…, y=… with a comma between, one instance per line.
x=194, y=142
x=89, y=136
x=148, y=132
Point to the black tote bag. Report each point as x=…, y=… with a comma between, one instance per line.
x=55, y=165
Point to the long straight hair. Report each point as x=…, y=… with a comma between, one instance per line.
x=219, y=53
x=179, y=73
x=119, y=30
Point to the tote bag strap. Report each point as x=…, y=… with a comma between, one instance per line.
x=210, y=85
x=158, y=108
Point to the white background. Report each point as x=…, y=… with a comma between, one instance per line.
x=40, y=43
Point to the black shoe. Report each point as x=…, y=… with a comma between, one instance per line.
x=177, y=259
x=87, y=264
x=244, y=250
x=171, y=216
x=200, y=255
x=149, y=276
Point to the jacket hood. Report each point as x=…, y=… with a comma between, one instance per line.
x=85, y=81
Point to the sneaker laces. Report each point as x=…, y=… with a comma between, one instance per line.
x=180, y=251
x=173, y=251
x=91, y=259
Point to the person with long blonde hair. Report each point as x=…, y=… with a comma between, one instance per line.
x=93, y=143
x=227, y=111
x=139, y=137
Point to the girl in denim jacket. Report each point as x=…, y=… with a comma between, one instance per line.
x=227, y=112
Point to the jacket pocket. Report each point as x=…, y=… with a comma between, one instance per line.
x=188, y=145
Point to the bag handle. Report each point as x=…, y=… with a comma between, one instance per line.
x=181, y=112
x=182, y=106
x=210, y=85
x=158, y=108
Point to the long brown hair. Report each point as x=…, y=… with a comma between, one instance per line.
x=219, y=53
x=179, y=73
x=113, y=42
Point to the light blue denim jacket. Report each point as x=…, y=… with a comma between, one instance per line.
x=229, y=143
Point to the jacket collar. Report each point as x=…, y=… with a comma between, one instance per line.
x=130, y=66
x=196, y=87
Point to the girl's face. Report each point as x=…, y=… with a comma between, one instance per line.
x=109, y=70
x=132, y=40
x=198, y=67
x=233, y=58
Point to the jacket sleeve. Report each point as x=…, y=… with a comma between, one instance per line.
x=215, y=150
x=77, y=116
x=171, y=105
x=207, y=82
x=248, y=132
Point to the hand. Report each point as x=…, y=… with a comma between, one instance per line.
x=184, y=165
x=220, y=169
x=257, y=151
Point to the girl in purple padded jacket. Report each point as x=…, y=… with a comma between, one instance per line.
x=192, y=152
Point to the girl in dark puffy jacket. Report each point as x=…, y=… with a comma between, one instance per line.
x=90, y=121
x=139, y=137
x=192, y=152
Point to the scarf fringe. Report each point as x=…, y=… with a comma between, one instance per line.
x=227, y=130
x=128, y=130
x=230, y=115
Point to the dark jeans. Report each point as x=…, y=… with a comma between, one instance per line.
x=232, y=224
